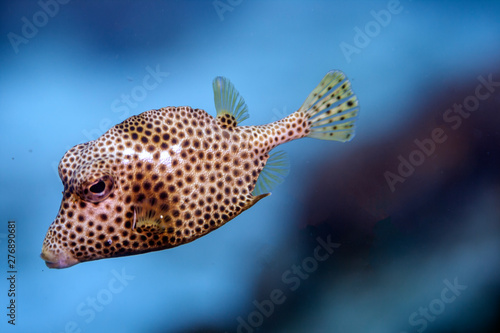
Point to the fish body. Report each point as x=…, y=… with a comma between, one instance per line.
x=166, y=177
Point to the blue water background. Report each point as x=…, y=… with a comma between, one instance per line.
x=63, y=86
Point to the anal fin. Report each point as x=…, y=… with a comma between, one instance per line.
x=276, y=169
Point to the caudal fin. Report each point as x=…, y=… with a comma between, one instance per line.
x=332, y=108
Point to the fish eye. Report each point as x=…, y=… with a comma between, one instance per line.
x=98, y=187
x=98, y=190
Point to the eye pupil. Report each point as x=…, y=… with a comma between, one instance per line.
x=98, y=187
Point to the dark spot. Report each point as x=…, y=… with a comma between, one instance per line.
x=141, y=197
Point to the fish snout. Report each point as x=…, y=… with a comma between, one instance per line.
x=57, y=259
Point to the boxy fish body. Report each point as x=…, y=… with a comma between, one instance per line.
x=166, y=177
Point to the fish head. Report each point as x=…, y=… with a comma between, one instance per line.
x=91, y=218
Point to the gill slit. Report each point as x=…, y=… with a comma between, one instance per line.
x=135, y=219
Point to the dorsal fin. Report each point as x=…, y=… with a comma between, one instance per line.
x=273, y=174
x=230, y=106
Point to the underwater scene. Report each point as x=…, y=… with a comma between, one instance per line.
x=143, y=140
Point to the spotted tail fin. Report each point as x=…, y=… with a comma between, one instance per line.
x=332, y=108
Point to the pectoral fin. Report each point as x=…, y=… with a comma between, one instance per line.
x=153, y=219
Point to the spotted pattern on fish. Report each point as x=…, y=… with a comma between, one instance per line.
x=169, y=176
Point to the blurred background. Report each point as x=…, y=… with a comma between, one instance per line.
x=395, y=231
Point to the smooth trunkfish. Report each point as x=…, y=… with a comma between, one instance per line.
x=166, y=177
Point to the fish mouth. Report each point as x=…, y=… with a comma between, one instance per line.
x=57, y=261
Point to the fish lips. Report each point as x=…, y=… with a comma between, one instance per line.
x=59, y=261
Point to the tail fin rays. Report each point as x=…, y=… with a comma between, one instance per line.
x=332, y=108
